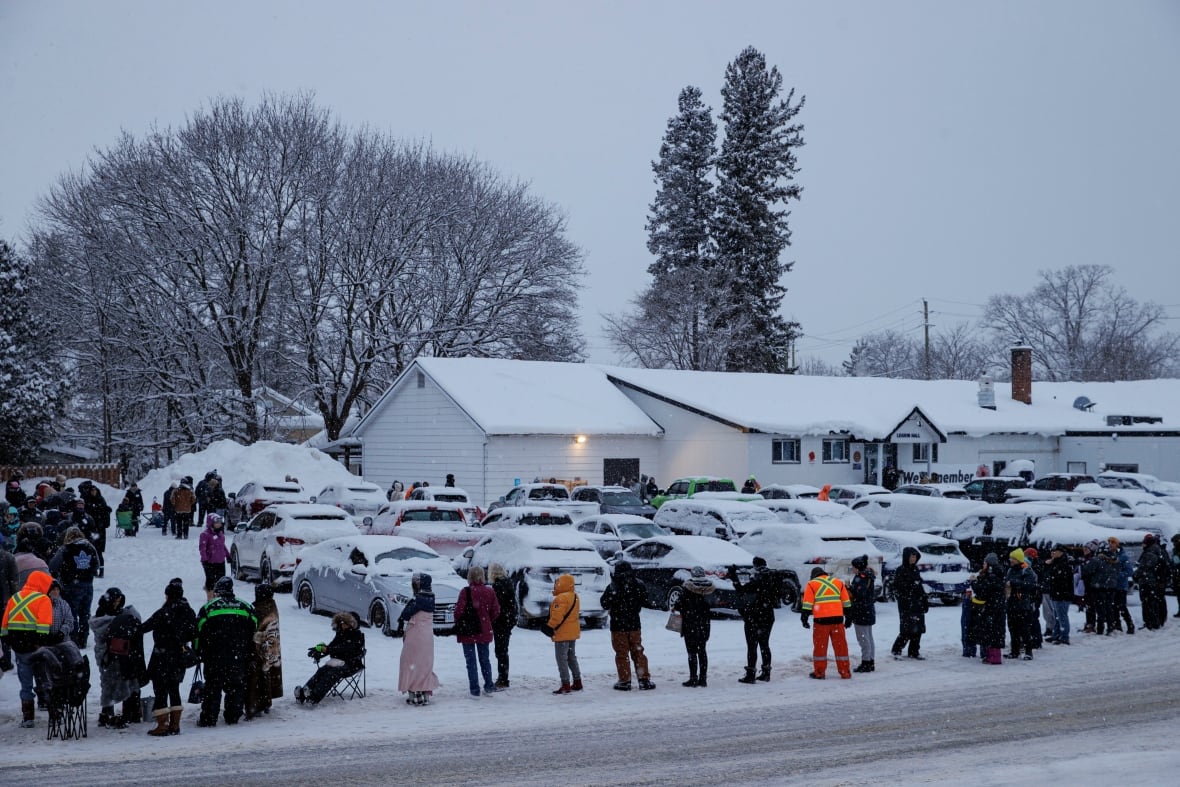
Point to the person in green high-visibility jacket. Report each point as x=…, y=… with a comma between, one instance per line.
x=225, y=641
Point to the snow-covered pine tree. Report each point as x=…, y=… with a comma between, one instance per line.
x=756, y=178
x=32, y=393
x=678, y=221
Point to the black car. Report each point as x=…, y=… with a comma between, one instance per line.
x=614, y=500
x=664, y=563
x=992, y=490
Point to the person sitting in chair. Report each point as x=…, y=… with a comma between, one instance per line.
x=345, y=654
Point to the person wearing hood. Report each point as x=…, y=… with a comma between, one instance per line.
x=567, y=629
x=862, y=590
x=482, y=599
x=12, y=524
x=29, y=512
x=31, y=553
x=76, y=564
x=416, y=627
x=751, y=486
x=225, y=640
x=213, y=551
x=345, y=654
x=118, y=652
x=827, y=599
x=502, y=626
x=623, y=599
x=26, y=627
x=264, y=675
x=173, y=627
x=912, y=606
x=757, y=600
x=1022, y=591
x=695, y=606
x=183, y=503
x=99, y=512
x=1152, y=576
x=825, y=493
x=987, y=610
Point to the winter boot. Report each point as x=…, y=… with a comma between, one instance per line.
x=133, y=709
x=645, y=684
x=174, y=719
x=864, y=666
x=702, y=679
x=622, y=685
x=563, y=689
x=107, y=718
x=748, y=677
x=576, y=685
x=27, y=710
x=162, y=727
x=691, y=683
x=765, y=674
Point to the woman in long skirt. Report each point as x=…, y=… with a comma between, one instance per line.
x=416, y=624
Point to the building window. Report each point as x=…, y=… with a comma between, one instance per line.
x=836, y=451
x=784, y=452
x=925, y=452
x=421, y=380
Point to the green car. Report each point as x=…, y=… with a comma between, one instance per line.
x=687, y=487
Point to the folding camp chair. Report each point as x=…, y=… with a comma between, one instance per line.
x=351, y=686
x=67, y=702
x=125, y=524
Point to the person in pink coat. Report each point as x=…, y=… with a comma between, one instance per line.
x=213, y=552
x=416, y=626
x=487, y=609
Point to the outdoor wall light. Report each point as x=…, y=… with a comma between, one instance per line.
x=579, y=439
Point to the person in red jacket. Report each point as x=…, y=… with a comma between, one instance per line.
x=487, y=609
x=826, y=598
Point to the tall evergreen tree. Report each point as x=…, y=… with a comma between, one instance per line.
x=756, y=179
x=32, y=389
x=678, y=221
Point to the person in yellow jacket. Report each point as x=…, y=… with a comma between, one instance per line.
x=563, y=620
x=26, y=627
x=826, y=599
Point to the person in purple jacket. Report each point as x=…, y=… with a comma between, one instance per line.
x=213, y=552
x=487, y=609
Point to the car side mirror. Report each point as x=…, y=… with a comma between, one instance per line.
x=313, y=498
x=232, y=496
x=721, y=532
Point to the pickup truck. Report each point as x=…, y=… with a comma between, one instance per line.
x=553, y=496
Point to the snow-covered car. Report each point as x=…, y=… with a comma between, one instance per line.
x=992, y=490
x=450, y=494
x=797, y=549
x=1142, y=482
x=547, y=495
x=913, y=512
x=932, y=490
x=371, y=575
x=613, y=500
x=1000, y=528
x=525, y=516
x=627, y=528
x=270, y=544
x=534, y=557
x=944, y=568
x=1062, y=482
x=665, y=562
x=724, y=519
x=846, y=494
x=789, y=491
x=1134, y=510
x=799, y=510
x=1072, y=534
x=257, y=495
x=359, y=498
x=393, y=514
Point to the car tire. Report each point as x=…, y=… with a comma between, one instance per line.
x=235, y=565
x=379, y=618
x=266, y=572
x=674, y=595
x=305, y=597
x=791, y=596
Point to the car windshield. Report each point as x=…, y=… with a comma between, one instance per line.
x=364, y=490
x=938, y=549
x=444, y=497
x=716, y=486
x=627, y=498
x=404, y=553
x=640, y=530
x=433, y=515
x=291, y=490
x=549, y=493
x=545, y=519
x=320, y=518
x=567, y=548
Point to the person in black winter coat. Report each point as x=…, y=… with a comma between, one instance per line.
x=912, y=605
x=758, y=598
x=76, y=565
x=225, y=642
x=695, y=607
x=504, y=623
x=1024, y=594
x=215, y=500
x=1152, y=577
x=29, y=512
x=14, y=494
x=863, y=592
x=623, y=599
x=1059, y=587
x=173, y=627
x=100, y=512
x=987, y=606
x=346, y=656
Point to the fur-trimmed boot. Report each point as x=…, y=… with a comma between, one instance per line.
x=162, y=728
x=174, y=719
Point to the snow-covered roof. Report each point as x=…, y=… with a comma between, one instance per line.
x=506, y=397
x=871, y=407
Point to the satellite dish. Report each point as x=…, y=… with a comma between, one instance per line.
x=1083, y=403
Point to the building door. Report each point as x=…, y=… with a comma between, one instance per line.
x=872, y=463
x=620, y=471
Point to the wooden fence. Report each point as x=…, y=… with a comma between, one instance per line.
x=104, y=473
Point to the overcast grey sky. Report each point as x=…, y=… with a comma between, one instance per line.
x=953, y=148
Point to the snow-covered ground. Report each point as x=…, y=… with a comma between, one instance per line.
x=142, y=566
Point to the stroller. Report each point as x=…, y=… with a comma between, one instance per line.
x=64, y=671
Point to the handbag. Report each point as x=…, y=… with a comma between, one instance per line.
x=675, y=622
x=196, y=692
x=468, y=623
x=189, y=657
x=549, y=631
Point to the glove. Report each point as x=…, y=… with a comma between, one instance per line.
x=312, y=653
x=804, y=618
x=847, y=621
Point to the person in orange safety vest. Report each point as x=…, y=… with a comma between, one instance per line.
x=28, y=618
x=826, y=599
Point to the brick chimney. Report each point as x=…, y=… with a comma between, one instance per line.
x=1022, y=374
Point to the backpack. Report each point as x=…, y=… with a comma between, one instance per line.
x=468, y=623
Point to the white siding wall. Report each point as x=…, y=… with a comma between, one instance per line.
x=557, y=456
x=692, y=444
x=420, y=435
x=1158, y=456
x=961, y=455
x=816, y=473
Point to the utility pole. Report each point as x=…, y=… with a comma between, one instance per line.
x=926, y=327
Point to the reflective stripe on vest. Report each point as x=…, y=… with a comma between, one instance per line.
x=22, y=618
x=825, y=593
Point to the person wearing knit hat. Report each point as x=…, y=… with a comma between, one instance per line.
x=760, y=596
x=1023, y=591
x=173, y=627
x=862, y=590
x=695, y=606
x=986, y=628
x=1041, y=601
x=1152, y=576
